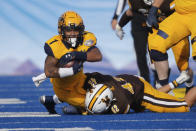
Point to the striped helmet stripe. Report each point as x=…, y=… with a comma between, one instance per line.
x=96, y=96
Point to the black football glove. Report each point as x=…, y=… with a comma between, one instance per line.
x=152, y=18
x=79, y=56
x=77, y=67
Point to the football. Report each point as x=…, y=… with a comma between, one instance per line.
x=69, y=64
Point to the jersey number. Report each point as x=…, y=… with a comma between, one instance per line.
x=129, y=87
x=115, y=109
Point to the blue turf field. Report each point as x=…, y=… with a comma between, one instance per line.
x=21, y=110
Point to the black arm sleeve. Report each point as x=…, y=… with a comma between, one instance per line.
x=124, y=19
x=48, y=50
x=119, y=8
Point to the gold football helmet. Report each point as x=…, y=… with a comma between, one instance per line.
x=71, y=21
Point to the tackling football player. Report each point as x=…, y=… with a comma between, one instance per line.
x=66, y=54
x=119, y=94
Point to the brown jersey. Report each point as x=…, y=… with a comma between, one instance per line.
x=127, y=90
x=140, y=7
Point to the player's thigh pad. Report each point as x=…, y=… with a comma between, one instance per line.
x=171, y=30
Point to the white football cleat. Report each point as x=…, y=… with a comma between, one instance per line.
x=184, y=76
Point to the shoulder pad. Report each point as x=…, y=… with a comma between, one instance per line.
x=53, y=40
x=89, y=39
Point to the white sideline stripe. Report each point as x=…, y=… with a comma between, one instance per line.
x=164, y=102
x=26, y=114
x=11, y=101
x=47, y=129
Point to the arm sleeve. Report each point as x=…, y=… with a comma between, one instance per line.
x=48, y=50
x=119, y=8
x=124, y=19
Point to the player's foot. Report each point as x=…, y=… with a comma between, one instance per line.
x=48, y=103
x=189, y=83
x=68, y=109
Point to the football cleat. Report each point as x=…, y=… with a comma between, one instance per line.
x=48, y=103
x=69, y=109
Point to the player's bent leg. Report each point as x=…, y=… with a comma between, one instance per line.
x=182, y=59
x=157, y=101
x=49, y=103
x=161, y=65
x=181, y=53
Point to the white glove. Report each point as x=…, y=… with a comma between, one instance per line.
x=39, y=79
x=119, y=32
x=184, y=76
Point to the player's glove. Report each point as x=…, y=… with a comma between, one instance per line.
x=79, y=56
x=152, y=18
x=64, y=72
x=77, y=67
x=119, y=32
x=39, y=79
x=184, y=76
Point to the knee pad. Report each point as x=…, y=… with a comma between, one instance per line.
x=158, y=56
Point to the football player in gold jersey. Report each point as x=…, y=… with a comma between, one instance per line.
x=73, y=44
x=173, y=29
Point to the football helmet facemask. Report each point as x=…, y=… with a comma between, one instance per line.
x=149, y=2
x=98, y=99
x=69, y=22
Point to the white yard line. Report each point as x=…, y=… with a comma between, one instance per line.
x=47, y=129
x=26, y=114
x=11, y=101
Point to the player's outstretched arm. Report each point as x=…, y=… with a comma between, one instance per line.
x=94, y=55
x=126, y=17
x=183, y=77
x=39, y=79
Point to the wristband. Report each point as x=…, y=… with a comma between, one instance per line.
x=64, y=72
x=124, y=20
